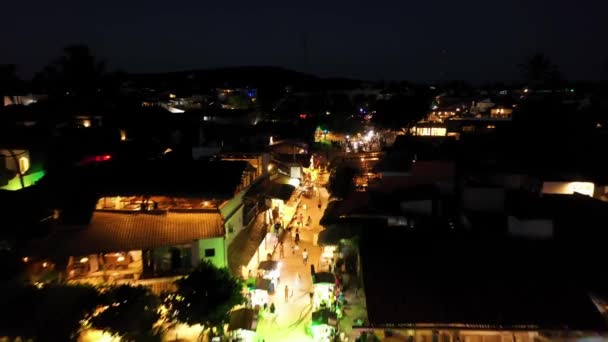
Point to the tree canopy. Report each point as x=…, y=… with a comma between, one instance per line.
x=540, y=71
x=206, y=296
x=50, y=313
x=341, y=181
x=131, y=312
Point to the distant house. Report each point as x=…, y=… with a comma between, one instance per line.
x=23, y=156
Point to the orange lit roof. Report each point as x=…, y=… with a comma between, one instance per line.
x=111, y=232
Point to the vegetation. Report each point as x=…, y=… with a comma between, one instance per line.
x=206, y=296
x=540, y=71
x=401, y=110
x=341, y=181
x=59, y=312
x=50, y=313
x=130, y=312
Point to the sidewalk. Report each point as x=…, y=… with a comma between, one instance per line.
x=294, y=316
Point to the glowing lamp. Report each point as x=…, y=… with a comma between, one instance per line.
x=83, y=260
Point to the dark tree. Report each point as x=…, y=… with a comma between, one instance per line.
x=77, y=74
x=206, y=296
x=51, y=313
x=131, y=313
x=540, y=71
x=401, y=111
x=342, y=181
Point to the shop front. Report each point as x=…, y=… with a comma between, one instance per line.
x=243, y=325
x=328, y=257
x=324, y=326
x=323, y=295
x=270, y=270
x=259, y=290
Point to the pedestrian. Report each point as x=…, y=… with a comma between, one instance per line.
x=286, y=294
x=281, y=251
x=305, y=256
x=297, y=239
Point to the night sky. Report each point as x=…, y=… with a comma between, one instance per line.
x=417, y=40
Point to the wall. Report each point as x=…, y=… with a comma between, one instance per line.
x=490, y=200
x=218, y=245
x=232, y=213
x=420, y=206
x=532, y=228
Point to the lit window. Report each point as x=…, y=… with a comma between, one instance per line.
x=24, y=164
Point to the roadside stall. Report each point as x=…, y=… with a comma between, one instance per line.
x=323, y=296
x=243, y=325
x=259, y=292
x=328, y=254
x=324, y=326
x=270, y=270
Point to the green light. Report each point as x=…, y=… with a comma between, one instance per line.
x=28, y=180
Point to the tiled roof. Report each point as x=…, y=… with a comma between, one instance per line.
x=430, y=278
x=109, y=232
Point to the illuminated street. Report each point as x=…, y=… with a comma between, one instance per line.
x=294, y=317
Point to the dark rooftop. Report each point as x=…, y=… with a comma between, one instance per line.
x=442, y=279
x=197, y=179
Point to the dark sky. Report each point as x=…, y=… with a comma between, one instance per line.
x=418, y=40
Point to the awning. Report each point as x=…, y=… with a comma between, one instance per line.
x=277, y=188
x=262, y=284
x=268, y=265
x=324, y=277
x=245, y=319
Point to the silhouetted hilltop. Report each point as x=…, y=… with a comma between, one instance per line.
x=244, y=76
